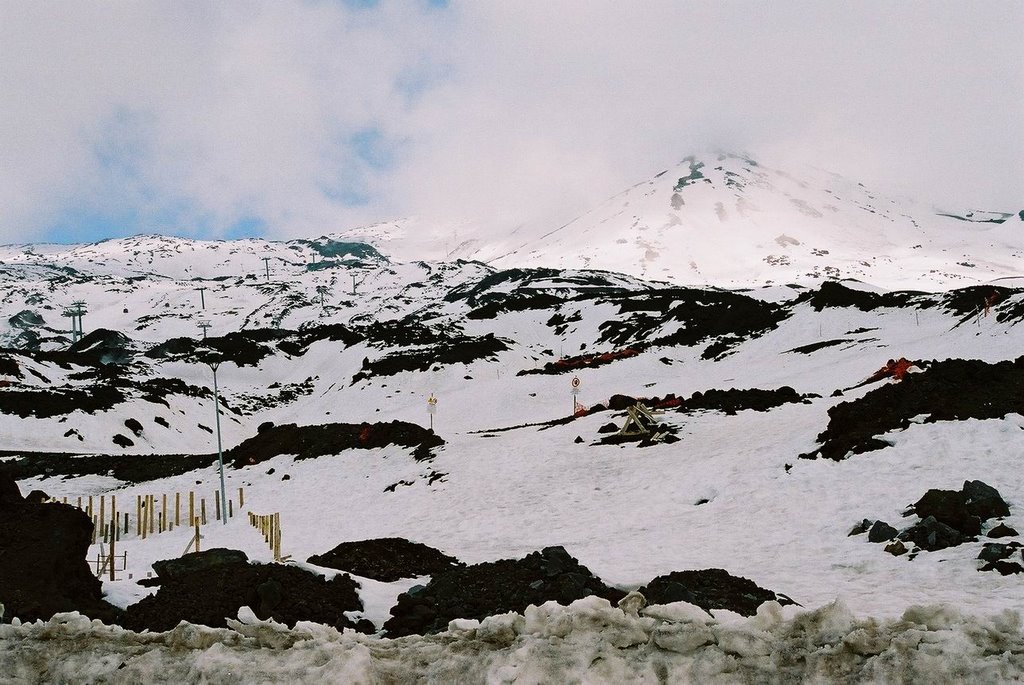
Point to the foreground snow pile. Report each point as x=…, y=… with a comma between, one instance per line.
x=588, y=641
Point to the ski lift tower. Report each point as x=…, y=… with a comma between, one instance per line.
x=205, y=325
x=75, y=312
x=357, y=280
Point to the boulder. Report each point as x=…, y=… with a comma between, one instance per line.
x=948, y=507
x=881, y=532
x=994, y=551
x=197, y=562
x=1004, y=567
x=983, y=500
x=712, y=588
x=386, y=559
x=932, y=534
x=859, y=529
x=1002, y=531
x=43, y=570
x=621, y=402
x=896, y=548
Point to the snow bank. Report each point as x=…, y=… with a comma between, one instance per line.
x=588, y=641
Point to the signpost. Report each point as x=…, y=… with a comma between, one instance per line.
x=575, y=391
x=431, y=410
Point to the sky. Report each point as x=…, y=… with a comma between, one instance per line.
x=291, y=118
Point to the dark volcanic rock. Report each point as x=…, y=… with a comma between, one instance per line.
x=211, y=586
x=446, y=350
x=497, y=587
x=103, y=346
x=26, y=318
x=43, y=404
x=43, y=569
x=692, y=315
x=983, y=500
x=861, y=528
x=122, y=440
x=950, y=390
x=133, y=468
x=1004, y=567
x=1002, y=531
x=732, y=400
x=881, y=532
x=994, y=551
x=308, y=442
x=169, y=569
x=712, y=588
x=833, y=294
x=386, y=559
x=896, y=548
x=620, y=402
x=950, y=508
x=932, y=535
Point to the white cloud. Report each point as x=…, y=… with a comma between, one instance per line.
x=501, y=112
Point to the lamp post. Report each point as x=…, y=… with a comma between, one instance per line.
x=220, y=454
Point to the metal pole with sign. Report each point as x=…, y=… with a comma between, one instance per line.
x=575, y=391
x=220, y=453
x=431, y=410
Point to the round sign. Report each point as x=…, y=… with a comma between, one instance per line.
x=575, y=381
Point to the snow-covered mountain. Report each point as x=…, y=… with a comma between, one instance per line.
x=771, y=447
x=728, y=220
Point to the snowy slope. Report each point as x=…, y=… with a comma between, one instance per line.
x=732, y=494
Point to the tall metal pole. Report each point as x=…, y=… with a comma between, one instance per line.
x=220, y=452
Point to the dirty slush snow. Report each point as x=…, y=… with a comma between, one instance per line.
x=588, y=641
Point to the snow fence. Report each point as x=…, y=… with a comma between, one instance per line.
x=589, y=641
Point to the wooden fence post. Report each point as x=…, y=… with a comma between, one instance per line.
x=277, y=537
x=191, y=508
x=113, y=535
x=177, y=508
x=163, y=519
x=241, y=497
x=202, y=509
x=216, y=503
x=138, y=515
